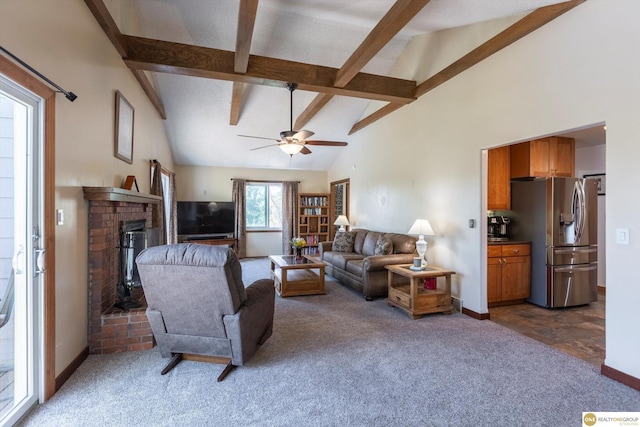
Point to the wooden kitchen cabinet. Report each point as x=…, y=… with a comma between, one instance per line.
x=498, y=179
x=508, y=273
x=546, y=157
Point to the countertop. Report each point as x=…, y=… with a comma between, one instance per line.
x=509, y=242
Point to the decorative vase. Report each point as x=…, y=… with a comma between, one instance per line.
x=298, y=254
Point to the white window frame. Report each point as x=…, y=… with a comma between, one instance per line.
x=267, y=185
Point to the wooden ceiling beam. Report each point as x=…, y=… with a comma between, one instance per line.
x=236, y=103
x=312, y=109
x=515, y=32
x=102, y=15
x=391, y=23
x=177, y=58
x=246, y=21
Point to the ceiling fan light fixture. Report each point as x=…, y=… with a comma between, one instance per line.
x=291, y=148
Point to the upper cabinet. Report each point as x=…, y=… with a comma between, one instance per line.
x=498, y=179
x=551, y=156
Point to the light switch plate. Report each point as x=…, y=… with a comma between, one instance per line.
x=59, y=216
x=622, y=236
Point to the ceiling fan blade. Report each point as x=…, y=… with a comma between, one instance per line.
x=302, y=135
x=327, y=143
x=305, y=150
x=264, y=146
x=260, y=137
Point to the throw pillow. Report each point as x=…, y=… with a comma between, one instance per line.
x=343, y=242
x=384, y=246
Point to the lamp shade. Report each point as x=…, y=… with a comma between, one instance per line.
x=341, y=220
x=290, y=148
x=422, y=228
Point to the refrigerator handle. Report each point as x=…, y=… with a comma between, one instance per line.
x=583, y=207
x=579, y=207
x=571, y=269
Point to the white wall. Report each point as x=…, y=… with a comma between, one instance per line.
x=591, y=160
x=63, y=41
x=213, y=183
x=424, y=160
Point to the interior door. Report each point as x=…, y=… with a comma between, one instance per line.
x=21, y=254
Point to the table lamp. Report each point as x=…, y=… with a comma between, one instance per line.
x=421, y=227
x=341, y=221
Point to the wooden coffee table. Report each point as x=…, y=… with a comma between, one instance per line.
x=412, y=297
x=294, y=276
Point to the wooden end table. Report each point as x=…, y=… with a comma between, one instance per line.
x=293, y=276
x=413, y=297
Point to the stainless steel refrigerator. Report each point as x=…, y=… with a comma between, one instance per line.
x=559, y=217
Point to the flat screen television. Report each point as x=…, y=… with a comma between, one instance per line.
x=206, y=219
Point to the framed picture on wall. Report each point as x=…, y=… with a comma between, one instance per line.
x=602, y=183
x=124, y=129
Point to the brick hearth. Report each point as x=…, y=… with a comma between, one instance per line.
x=111, y=329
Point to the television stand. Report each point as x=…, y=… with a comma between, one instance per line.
x=215, y=242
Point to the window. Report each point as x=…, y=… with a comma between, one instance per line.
x=168, y=198
x=264, y=206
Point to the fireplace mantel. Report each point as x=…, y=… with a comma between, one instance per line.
x=114, y=194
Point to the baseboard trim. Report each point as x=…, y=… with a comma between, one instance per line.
x=620, y=376
x=69, y=370
x=602, y=290
x=477, y=316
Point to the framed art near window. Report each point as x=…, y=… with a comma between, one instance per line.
x=124, y=129
x=602, y=183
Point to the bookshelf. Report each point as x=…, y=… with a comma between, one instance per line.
x=313, y=220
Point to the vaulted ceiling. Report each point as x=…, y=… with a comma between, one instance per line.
x=217, y=69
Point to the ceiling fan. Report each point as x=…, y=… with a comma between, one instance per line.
x=292, y=141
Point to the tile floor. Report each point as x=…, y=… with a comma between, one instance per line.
x=578, y=331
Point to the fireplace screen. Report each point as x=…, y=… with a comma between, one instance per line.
x=134, y=237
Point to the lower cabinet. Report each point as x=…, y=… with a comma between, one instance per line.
x=508, y=273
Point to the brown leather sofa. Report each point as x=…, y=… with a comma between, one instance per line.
x=362, y=267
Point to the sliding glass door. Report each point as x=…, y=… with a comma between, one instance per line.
x=21, y=252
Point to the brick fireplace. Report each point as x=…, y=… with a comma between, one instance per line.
x=112, y=329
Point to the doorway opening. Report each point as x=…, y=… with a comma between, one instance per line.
x=580, y=330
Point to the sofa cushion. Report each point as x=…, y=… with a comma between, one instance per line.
x=369, y=246
x=343, y=242
x=340, y=259
x=361, y=234
x=354, y=266
x=402, y=243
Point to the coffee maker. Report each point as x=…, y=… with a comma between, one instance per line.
x=498, y=228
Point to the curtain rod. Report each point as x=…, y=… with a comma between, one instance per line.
x=69, y=95
x=263, y=180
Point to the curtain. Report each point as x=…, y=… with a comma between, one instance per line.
x=239, y=198
x=157, y=212
x=289, y=214
x=173, y=210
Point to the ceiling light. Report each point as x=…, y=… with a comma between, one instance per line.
x=290, y=148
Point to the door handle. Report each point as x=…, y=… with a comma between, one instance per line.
x=39, y=257
x=15, y=261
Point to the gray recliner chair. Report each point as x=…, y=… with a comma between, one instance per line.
x=197, y=304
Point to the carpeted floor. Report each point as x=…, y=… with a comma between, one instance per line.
x=338, y=360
